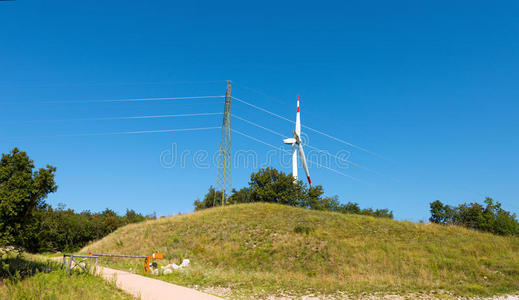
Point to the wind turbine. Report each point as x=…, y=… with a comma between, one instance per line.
x=297, y=145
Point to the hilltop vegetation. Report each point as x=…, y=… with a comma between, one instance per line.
x=273, y=186
x=264, y=249
x=489, y=218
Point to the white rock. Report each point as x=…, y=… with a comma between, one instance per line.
x=185, y=263
x=167, y=271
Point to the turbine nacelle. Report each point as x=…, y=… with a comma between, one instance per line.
x=289, y=141
x=296, y=137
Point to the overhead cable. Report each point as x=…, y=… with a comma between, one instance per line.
x=121, y=118
x=123, y=132
x=117, y=100
x=311, y=147
x=288, y=152
x=311, y=129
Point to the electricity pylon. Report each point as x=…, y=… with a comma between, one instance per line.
x=223, y=176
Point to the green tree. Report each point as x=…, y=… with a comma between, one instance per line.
x=440, y=213
x=240, y=196
x=110, y=220
x=271, y=185
x=22, y=190
x=132, y=217
x=213, y=197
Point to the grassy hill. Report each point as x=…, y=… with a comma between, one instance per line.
x=265, y=249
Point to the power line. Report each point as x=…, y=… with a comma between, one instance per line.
x=312, y=129
x=344, y=142
x=329, y=136
x=118, y=118
x=288, y=152
x=258, y=140
x=123, y=132
x=311, y=147
x=262, y=109
x=117, y=100
x=259, y=126
x=110, y=83
x=345, y=160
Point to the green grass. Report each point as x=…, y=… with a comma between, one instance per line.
x=33, y=277
x=261, y=249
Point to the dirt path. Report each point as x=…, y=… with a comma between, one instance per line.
x=148, y=288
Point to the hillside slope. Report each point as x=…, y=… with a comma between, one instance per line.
x=266, y=248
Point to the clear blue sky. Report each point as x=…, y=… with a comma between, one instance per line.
x=432, y=87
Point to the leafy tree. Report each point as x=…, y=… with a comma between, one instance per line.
x=213, y=197
x=379, y=213
x=240, y=196
x=132, y=217
x=22, y=190
x=350, y=208
x=271, y=185
x=440, y=213
x=110, y=220
x=354, y=208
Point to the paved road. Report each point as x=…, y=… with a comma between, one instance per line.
x=148, y=288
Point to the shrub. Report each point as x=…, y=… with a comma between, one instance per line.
x=303, y=229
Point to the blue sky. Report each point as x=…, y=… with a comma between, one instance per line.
x=430, y=87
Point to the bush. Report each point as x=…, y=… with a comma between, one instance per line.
x=489, y=217
x=303, y=229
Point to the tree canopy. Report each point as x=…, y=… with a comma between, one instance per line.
x=22, y=190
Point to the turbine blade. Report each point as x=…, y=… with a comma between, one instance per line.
x=298, y=120
x=303, y=161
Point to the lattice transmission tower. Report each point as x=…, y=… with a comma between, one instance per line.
x=223, y=176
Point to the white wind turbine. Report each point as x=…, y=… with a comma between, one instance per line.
x=296, y=143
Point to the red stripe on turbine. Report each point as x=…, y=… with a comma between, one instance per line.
x=309, y=181
x=298, y=109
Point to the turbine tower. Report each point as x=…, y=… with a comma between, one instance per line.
x=297, y=145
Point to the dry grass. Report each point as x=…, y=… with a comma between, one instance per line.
x=263, y=249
